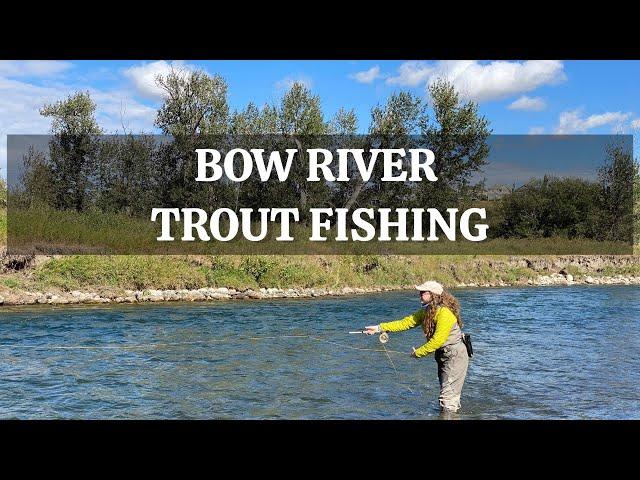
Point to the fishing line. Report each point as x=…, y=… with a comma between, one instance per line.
x=142, y=346
x=384, y=338
x=394, y=367
x=193, y=342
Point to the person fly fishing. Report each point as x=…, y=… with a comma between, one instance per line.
x=442, y=327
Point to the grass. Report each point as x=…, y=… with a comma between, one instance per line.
x=10, y=282
x=576, y=271
x=139, y=272
x=135, y=272
x=104, y=233
x=633, y=270
x=78, y=272
x=3, y=227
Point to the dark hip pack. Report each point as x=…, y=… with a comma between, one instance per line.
x=466, y=339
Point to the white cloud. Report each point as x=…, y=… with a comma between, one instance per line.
x=573, y=121
x=20, y=103
x=117, y=110
x=636, y=124
x=143, y=77
x=412, y=74
x=287, y=82
x=536, y=130
x=366, y=76
x=532, y=104
x=483, y=82
x=39, y=68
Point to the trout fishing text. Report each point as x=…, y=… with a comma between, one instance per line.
x=381, y=224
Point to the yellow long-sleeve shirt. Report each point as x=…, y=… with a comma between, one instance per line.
x=445, y=320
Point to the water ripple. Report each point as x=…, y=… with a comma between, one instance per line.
x=540, y=353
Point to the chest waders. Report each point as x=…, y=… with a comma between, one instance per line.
x=453, y=361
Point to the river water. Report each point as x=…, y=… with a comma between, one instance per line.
x=540, y=353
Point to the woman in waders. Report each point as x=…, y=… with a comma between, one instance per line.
x=441, y=323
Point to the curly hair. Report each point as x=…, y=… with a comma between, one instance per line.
x=437, y=301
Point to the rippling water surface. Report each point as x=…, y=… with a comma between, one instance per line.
x=541, y=353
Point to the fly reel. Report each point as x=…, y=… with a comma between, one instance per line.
x=384, y=337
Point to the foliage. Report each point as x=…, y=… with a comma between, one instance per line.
x=3, y=193
x=132, y=174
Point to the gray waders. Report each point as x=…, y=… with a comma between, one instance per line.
x=453, y=361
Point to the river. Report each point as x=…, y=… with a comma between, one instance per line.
x=540, y=353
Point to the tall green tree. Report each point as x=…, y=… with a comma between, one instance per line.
x=452, y=129
x=344, y=123
x=255, y=121
x=392, y=125
x=196, y=113
x=636, y=204
x=457, y=134
x=72, y=148
x=125, y=175
x=38, y=181
x=255, y=127
x=616, y=177
x=73, y=116
x=301, y=120
x=194, y=103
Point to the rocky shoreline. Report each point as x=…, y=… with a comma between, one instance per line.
x=16, y=298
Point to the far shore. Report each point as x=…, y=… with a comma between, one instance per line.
x=77, y=297
x=89, y=279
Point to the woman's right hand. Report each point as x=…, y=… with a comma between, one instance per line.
x=372, y=329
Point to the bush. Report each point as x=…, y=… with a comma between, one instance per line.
x=257, y=266
x=302, y=275
x=224, y=273
x=566, y=207
x=126, y=271
x=11, y=283
x=3, y=193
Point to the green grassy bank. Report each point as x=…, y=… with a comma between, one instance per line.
x=243, y=272
x=116, y=233
x=250, y=272
x=136, y=272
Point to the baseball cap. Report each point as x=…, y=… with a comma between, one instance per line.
x=431, y=286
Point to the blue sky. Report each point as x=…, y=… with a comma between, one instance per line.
x=516, y=96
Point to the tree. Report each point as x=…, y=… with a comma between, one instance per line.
x=616, y=178
x=300, y=119
x=636, y=203
x=457, y=134
x=549, y=207
x=252, y=127
x=195, y=108
x=71, y=149
x=38, y=180
x=344, y=123
x=301, y=113
x=392, y=125
x=399, y=117
x=73, y=116
x=195, y=103
x=125, y=176
x=255, y=121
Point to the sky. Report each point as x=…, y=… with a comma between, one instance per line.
x=518, y=97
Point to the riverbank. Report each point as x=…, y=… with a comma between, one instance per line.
x=223, y=293
x=135, y=279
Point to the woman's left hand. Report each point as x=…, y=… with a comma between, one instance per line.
x=413, y=353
